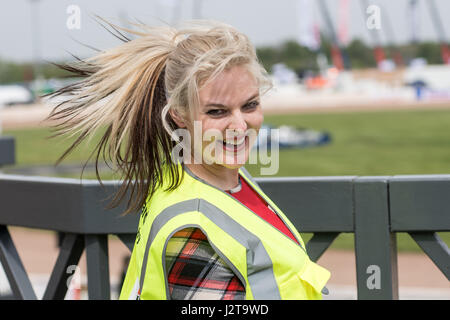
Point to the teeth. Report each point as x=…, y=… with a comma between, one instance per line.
x=235, y=143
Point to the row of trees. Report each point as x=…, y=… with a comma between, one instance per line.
x=11, y=72
x=359, y=54
x=290, y=53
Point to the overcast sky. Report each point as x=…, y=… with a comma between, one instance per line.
x=266, y=22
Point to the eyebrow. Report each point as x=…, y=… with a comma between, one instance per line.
x=212, y=104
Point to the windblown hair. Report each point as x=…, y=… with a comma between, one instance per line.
x=128, y=90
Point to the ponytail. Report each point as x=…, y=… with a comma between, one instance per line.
x=129, y=90
x=123, y=91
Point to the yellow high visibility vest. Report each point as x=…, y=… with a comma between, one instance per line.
x=270, y=265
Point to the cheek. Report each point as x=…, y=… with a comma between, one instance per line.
x=256, y=119
x=214, y=124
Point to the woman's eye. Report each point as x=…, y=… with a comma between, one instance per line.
x=215, y=112
x=251, y=105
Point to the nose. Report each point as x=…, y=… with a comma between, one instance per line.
x=238, y=124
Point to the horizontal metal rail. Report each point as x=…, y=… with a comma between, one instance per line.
x=373, y=208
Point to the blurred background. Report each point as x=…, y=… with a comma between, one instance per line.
x=360, y=88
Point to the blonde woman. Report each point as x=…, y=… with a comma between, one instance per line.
x=206, y=230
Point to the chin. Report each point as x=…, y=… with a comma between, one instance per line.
x=233, y=166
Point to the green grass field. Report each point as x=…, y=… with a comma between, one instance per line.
x=370, y=143
x=365, y=143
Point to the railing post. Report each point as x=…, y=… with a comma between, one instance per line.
x=375, y=245
x=97, y=267
x=7, y=151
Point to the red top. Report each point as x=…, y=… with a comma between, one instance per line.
x=252, y=200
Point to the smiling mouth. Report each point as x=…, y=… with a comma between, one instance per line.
x=235, y=145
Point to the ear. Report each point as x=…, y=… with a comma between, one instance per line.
x=177, y=118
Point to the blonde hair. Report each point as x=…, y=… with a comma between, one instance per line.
x=130, y=89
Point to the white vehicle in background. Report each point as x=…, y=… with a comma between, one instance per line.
x=15, y=94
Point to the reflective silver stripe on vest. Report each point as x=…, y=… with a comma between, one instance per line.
x=259, y=265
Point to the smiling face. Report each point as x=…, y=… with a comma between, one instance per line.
x=230, y=116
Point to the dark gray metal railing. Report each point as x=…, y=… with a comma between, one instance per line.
x=69, y=207
x=7, y=150
x=373, y=208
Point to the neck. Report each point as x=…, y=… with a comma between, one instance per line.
x=218, y=176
